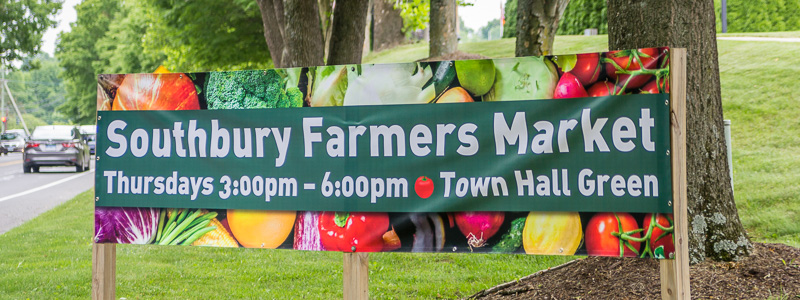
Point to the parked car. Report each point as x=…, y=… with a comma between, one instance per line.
x=19, y=132
x=11, y=142
x=56, y=145
x=89, y=133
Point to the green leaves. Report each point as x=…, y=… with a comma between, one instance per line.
x=23, y=24
x=137, y=36
x=415, y=14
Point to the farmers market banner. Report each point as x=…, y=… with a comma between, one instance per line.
x=517, y=155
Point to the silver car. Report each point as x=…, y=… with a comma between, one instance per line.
x=12, y=142
x=55, y=145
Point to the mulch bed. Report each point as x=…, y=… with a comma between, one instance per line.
x=771, y=271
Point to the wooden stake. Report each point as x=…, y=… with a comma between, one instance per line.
x=104, y=271
x=675, y=273
x=356, y=276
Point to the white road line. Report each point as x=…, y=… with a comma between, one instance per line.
x=44, y=186
x=10, y=163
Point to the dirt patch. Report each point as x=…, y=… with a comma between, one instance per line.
x=771, y=271
x=458, y=55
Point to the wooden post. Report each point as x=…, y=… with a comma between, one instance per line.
x=675, y=272
x=104, y=271
x=356, y=276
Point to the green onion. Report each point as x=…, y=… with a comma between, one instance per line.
x=189, y=232
x=202, y=218
x=169, y=222
x=198, y=234
x=182, y=215
x=185, y=223
x=162, y=212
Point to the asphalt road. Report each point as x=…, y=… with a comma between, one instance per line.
x=25, y=196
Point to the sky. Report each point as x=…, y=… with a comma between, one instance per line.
x=64, y=18
x=480, y=13
x=474, y=17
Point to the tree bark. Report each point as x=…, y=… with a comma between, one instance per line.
x=304, y=43
x=349, y=24
x=537, y=24
x=444, y=38
x=715, y=229
x=387, y=31
x=272, y=17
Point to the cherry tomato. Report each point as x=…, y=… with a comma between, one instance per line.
x=353, y=232
x=654, y=86
x=569, y=87
x=587, y=68
x=423, y=187
x=631, y=60
x=602, y=89
x=665, y=241
x=600, y=239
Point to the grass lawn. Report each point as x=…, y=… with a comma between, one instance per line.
x=49, y=257
x=780, y=34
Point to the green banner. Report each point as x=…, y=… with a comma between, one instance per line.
x=580, y=154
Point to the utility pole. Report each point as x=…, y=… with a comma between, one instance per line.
x=4, y=84
x=2, y=98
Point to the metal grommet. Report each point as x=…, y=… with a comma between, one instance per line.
x=667, y=152
x=97, y=157
x=96, y=199
x=666, y=102
x=98, y=118
x=669, y=203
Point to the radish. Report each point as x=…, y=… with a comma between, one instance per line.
x=479, y=226
x=569, y=87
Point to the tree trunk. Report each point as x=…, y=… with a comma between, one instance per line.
x=347, y=40
x=272, y=17
x=715, y=230
x=444, y=38
x=387, y=31
x=302, y=34
x=537, y=24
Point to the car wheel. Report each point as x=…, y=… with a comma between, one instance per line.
x=26, y=169
x=79, y=168
x=35, y=169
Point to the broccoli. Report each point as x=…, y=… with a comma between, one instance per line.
x=251, y=89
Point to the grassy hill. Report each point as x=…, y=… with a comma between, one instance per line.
x=50, y=256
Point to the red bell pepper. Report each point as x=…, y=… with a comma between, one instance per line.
x=353, y=232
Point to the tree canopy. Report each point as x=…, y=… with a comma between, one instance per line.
x=23, y=23
x=138, y=36
x=37, y=90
